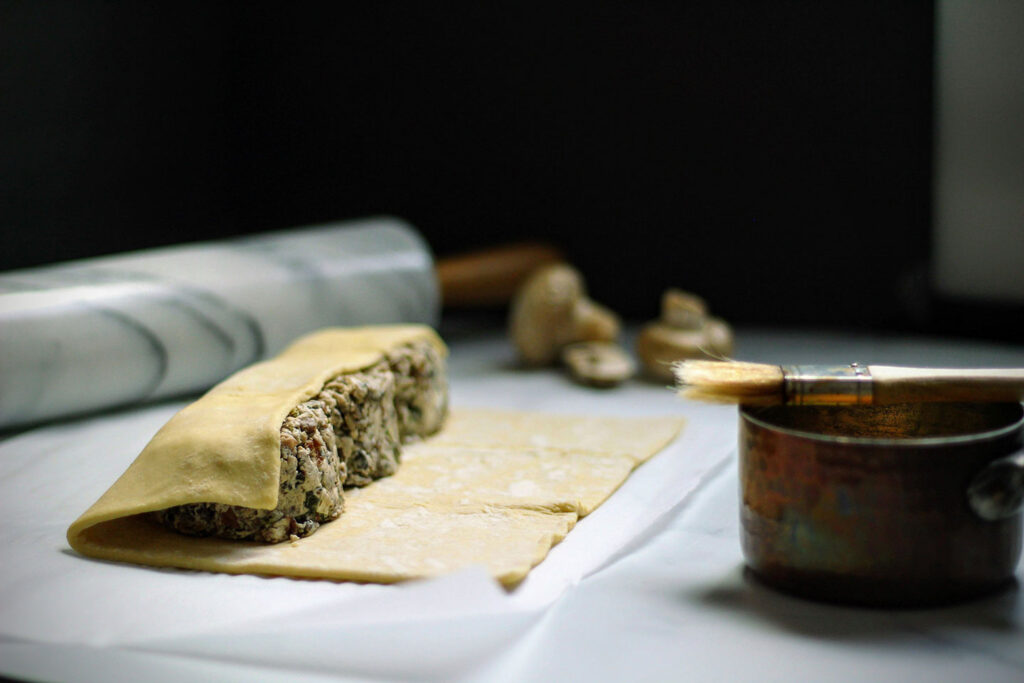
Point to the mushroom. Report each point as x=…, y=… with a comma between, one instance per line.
x=685, y=330
x=551, y=310
x=598, y=363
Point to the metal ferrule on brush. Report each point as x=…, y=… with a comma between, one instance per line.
x=827, y=384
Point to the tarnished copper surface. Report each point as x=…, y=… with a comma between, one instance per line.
x=866, y=504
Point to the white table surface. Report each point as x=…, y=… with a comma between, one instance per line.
x=672, y=602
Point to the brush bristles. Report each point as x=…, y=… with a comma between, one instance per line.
x=729, y=381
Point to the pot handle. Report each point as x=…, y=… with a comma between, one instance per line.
x=997, y=491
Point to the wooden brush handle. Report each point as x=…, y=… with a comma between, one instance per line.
x=492, y=276
x=915, y=385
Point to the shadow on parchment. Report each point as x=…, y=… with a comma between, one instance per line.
x=745, y=596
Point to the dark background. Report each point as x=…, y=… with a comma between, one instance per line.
x=774, y=157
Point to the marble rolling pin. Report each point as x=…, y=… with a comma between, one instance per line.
x=118, y=330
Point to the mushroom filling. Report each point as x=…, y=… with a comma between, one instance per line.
x=347, y=435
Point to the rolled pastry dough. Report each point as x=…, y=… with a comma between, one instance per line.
x=494, y=488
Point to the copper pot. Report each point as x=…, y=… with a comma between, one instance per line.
x=869, y=505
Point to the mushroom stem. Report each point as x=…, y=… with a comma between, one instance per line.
x=593, y=322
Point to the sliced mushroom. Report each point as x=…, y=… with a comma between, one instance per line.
x=598, y=364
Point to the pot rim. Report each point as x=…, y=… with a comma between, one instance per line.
x=922, y=441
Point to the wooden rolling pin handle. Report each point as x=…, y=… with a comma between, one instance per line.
x=492, y=276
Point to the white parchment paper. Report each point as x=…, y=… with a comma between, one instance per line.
x=53, y=600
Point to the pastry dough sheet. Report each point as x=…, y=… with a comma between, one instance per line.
x=494, y=488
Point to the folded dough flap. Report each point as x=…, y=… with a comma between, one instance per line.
x=225, y=447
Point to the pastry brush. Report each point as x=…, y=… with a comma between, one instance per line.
x=762, y=384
